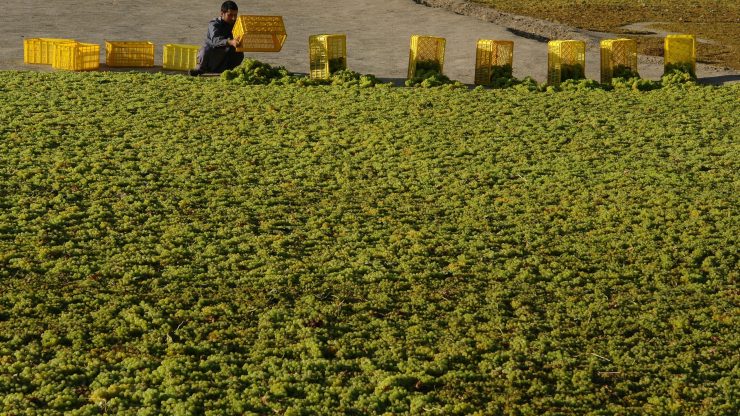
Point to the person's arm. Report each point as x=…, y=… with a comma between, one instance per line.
x=219, y=35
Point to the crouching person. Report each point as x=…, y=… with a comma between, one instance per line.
x=219, y=51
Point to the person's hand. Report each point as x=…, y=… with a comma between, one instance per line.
x=235, y=42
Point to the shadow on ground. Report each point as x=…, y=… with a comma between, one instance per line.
x=720, y=79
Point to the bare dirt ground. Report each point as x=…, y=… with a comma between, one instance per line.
x=378, y=32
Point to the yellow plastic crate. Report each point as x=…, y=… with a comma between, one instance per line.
x=41, y=50
x=327, y=54
x=260, y=33
x=179, y=57
x=427, y=51
x=566, y=59
x=129, y=53
x=680, y=50
x=493, y=58
x=76, y=56
x=618, y=57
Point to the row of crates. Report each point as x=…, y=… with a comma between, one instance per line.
x=77, y=56
x=258, y=34
x=61, y=53
x=328, y=54
x=566, y=59
x=494, y=58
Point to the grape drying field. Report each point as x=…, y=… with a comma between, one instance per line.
x=172, y=245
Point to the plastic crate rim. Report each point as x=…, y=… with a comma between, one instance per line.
x=128, y=42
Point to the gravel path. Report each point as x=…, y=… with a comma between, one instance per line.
x=378, y=32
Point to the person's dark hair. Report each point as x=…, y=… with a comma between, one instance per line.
x=228, y=5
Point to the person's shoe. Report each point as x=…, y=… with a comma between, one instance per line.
x=195, y=72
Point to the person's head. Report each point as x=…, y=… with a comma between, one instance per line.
x=229, y=11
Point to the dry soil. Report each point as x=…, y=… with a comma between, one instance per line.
x=378, y=32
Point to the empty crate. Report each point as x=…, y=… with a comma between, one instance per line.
x=618, y=59
x=260, y=33
x=41, y=50
x=327, y=55
x=179, y=57
x=426, y=53
x=129, y=54
x=680, y=52
x=566, y=59
x=76, y=56
x=493, y=59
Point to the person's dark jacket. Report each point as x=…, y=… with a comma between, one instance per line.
x=219, y=33
x=217, y=55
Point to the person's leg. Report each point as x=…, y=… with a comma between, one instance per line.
x=210, y=60
x=233, y=59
